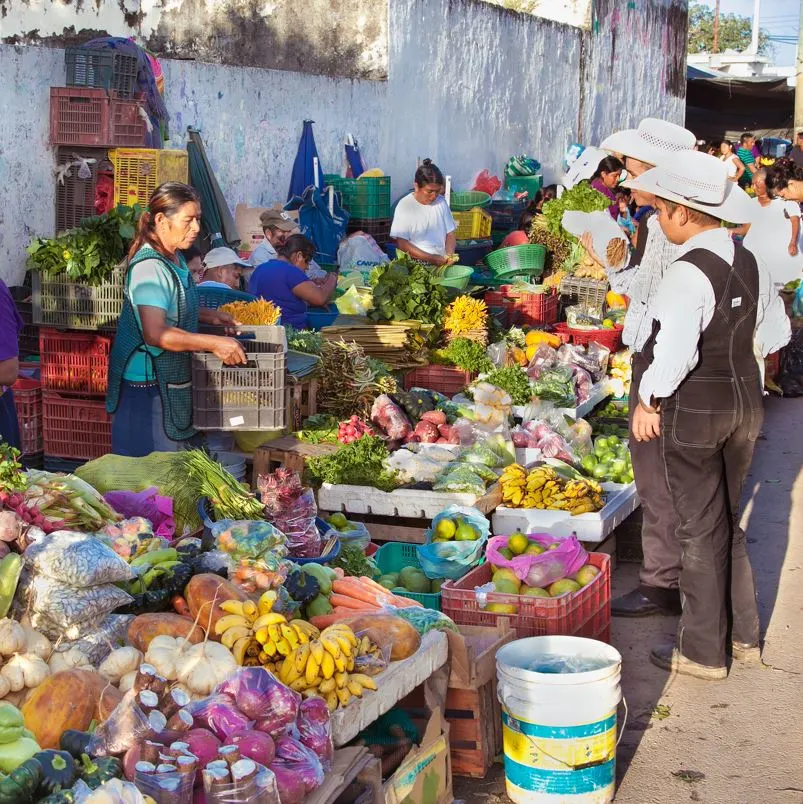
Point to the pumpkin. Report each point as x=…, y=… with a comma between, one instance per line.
x=204, y=594
x=70, y=699
x=146, y=627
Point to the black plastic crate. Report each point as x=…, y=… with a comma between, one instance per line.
x=378, y=228
x=102, y=69
x=249, y=397
x=76, y=197
x=505, y=214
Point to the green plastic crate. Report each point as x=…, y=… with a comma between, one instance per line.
x=371, y=198
x=394, y=557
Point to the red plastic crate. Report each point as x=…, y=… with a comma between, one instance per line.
x=95, y=117
x=28, y=402
x=609, y=338
x=74, y=362
x=74, y=428
x=585, y=613
x=524, y=309
x=447, y=380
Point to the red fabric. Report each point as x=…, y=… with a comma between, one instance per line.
x=517, y=238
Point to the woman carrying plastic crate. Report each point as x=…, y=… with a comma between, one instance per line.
x=423, y=225
x=150, y=371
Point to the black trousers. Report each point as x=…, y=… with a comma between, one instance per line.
x=706, y=454
x=660, y=567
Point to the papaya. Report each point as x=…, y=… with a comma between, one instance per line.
x=70, y=699
x=146, y=627
x=204, y=594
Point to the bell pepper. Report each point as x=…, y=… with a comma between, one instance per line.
x=21, y=786
x=58, y=770
x=97, y=771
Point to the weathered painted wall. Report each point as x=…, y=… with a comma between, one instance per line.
x=469, y=84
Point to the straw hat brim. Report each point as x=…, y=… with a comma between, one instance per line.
x=630, y=143
x=736, y=207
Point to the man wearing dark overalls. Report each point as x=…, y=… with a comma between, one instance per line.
x=702, y=395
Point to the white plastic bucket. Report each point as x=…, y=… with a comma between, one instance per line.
x=233, y=463
x=559, y=729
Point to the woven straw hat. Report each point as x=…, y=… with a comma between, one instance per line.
x=654, y=141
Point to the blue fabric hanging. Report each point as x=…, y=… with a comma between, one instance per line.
x=324, y=229
x=354, y=158
x=303, y=174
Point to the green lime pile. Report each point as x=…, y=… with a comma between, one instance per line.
x=610, y=460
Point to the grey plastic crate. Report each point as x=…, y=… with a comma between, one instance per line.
x=587, y=291
x=103, y=69
x=60, y=303
x=249, y=397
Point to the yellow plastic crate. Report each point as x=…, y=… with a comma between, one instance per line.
x=472, y=225
x=139, y=171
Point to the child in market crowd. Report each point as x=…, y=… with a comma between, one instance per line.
x=625, y=219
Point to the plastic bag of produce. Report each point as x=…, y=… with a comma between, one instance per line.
x=291, y=507
x=556, y=385
x=542, y=569
x=259, y=788
x=300, y=760
x=125, y=727
x=390, y=418
x=96, y=641
x=158, y=510
x=260, y=696
x=315, y=730
x=354, y=302
x=425, y=620
x=247, y=539
x=130, y=536
x=544, y=358
x=462, y=533
x=359, y=252
x=219, y=714
x=582, y=385
x=594, y=359
x=460, y=478
x=357, y=534
x=76, y=559
x=67, y=605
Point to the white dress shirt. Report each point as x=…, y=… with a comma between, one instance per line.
x=685, y=304
x=640, y=283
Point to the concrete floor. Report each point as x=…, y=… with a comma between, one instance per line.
x=738, y=741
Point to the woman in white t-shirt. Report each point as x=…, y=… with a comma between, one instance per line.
x=734, y=164
x=774, y=233
x=423, y=225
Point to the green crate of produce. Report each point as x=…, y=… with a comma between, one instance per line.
x=394, y=557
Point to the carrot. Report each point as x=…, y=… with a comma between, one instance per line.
x=349, y=601
x=353, y=612
x=387, y=596
x=356, y=590
x=339, y=614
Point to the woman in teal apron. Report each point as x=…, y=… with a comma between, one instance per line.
x=150, y=368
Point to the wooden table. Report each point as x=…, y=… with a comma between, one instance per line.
x=289, y=452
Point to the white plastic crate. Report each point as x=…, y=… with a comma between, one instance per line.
x=621, y=502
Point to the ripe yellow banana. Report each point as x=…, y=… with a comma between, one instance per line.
x=270, y=618
x=235, y=633
x=301, y=657
x=340, y=663
x=331, y=701
x=345, y=631
x=287, y=671
x=274, y=632
x=344, y=696
x=290, y=635
x=229, y=621
x=341, y=679
x=326, y=686
x=299, y=685
x=283, y=647
x=354, y=688
x=327, y=665
x=266, y=601
x=239, y=648
x=261, y=635
x=233, y=607
x=350, y=663
x=330, y=645
x=312, y=671
x=250, y=610
x=364, y=681
x=307, y=628
x=317, y=651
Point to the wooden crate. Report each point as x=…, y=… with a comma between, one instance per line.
x=287, y=451
x=301, y=401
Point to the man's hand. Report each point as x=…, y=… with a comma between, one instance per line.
x=587, y=242
x=646, y=423
x=793, y=249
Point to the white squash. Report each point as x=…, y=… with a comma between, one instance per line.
x=72, y=659
x=119, y=662
x=25, y=671
x=163, y=653
x=36, y=643
x=127, y=681
x=202, y=667
x=12, y=637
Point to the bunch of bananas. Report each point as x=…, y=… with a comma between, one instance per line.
x=324, y=668
x=257, y=635
x=542, y=487
x=468, y=318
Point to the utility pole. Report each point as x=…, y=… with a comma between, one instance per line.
x=756, y=18
x=799, y=75
x=716, y=27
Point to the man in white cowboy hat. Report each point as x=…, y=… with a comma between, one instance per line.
x=700, y=399
x=654, y=143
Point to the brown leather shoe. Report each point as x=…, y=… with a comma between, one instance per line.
x=744, y=652
x=668, y=657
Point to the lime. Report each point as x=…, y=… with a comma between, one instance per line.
x=588, y=463
x=445, y=529
x=517, y=543
x=338, y=521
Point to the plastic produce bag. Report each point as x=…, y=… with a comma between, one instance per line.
x=220, y=715
x=426, y=620
x=125, y=727
x=261, y=789
x=360, y=253
x=544, y=358
x=594, y=359
x=246, y=539
x=460, y=478
x=260, y=696
x=453, y=559
x=300, y=760
x=556, y=385
x=486, y=183
x=390, y=418
x=158, y=510
x=544, y=569
x=115, y=791
x=315, y=730
x=96, y=641
x=131, y=536
x=357, y=535
x=67, y=605
x=354, y=302
x=291, y=507
x=76, y=559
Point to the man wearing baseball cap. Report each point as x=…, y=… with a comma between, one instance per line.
x=277, y=227
x=654, y=142
x=700, y=400
x=222, y=268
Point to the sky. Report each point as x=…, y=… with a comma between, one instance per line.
x=778, y=17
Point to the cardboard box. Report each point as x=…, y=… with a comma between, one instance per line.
x=472, y=653
x=425, y=774
x=351, y=767
x=249, y=226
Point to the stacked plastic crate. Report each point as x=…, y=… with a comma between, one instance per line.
x=367, y=200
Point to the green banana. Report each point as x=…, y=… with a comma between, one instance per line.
x=155, y=557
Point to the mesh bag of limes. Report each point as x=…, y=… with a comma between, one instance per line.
x=455, y=541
